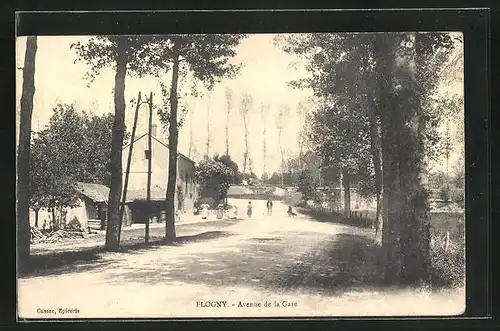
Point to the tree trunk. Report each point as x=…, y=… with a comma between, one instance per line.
x=23, y=156
x=113, y=227
x=208, y=129
x=415, y=234
x=346, y=182
x=245, y=160
x=264, y=149
x=377, y=165
x=406, y=230
x=36, y=216
x=54, y=219
x=376, y=152
x=173, y=133
x=227, y=133
x=389, y=126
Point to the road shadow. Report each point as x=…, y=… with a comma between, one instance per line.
x=347, y=263
x=93, y=259
x=276, y=262
x=64, y=262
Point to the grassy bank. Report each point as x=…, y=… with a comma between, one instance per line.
x=447, y=242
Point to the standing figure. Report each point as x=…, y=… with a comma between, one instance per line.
x=249, y=209
x=204, y=211
x=290, y=212
x=269, y=205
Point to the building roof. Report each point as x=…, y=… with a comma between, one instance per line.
x=238, y=190
x=162, y=143
x=156, y=195
x=95, y=192
x=100, y=193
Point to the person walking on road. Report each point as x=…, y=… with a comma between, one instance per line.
x=249, y=209
x=269, y=205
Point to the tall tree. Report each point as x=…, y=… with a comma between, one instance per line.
x=377, y=73
x=23, y=154
x=207, y=58
x=229, y=105
x=208, y=126
x=38, y=197
x=408, y=132
x=301, y=112
x=125, y=54
x=191, y=141
x=264, y=113
x=245, y=107
x=283, y=113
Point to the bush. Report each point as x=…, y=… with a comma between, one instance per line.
x=458, y=197
x=444, y=193
x=448, y=266
x=74, y=225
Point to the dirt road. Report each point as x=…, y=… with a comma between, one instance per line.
x=263, y=266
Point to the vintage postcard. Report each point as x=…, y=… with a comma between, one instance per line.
x=256, y=175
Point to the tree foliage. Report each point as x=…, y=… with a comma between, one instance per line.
x=102, y=51
x=207, y=59
x=379, y=88
x=214, y=178
x=228, y=162
x=126, y=55
x=74, y=147
x=245, y=107
x=306, y=185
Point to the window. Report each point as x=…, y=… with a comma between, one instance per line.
x=153, y=130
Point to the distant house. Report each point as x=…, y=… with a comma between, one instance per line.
x=186, y=188
x=91, y=210
x=93, y=198
x=93, y=207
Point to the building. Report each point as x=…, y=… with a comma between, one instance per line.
x=138, y=209
x=93, y=208
x=90, y=211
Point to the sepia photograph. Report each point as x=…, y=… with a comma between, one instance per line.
x=240, y=175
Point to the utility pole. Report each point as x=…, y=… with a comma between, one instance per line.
x=132, y=138
x=150, y=152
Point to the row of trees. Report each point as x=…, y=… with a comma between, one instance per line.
x=204, y=57
x=376, y=123
x=168, y=58
x=245, y=108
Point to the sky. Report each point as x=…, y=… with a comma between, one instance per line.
x=265, y=73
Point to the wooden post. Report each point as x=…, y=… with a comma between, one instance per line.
x=447, y=243
x=150, y=156
x=132, y=137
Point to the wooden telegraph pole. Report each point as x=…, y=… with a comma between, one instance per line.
x=150, y=126
x=124, y=195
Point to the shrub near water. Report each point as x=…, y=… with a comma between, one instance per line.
x=447, y=263
x=448, y=266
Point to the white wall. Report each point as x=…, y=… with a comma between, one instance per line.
x=44, y=214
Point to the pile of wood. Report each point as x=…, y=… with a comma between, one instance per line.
x=36, y=235
x=55, y=236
